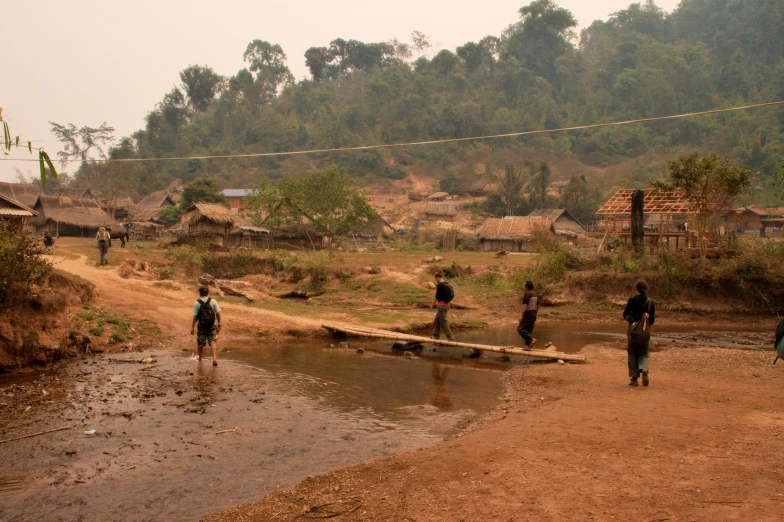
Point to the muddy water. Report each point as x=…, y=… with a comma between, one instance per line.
x=176, y=440
x=422, y=400
x=573, y=337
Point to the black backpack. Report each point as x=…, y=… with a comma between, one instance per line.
x=206, y=315
x=450, y=293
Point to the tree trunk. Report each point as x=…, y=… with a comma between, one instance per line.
x=638, y=221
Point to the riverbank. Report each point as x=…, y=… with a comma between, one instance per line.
x=568, y=441
x=575, y=442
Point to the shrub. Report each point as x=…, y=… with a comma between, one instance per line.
x=318, y=276
x=96, y=331
x=164, y=272
x=115, y=338
x=21, y=264
x=236, y=264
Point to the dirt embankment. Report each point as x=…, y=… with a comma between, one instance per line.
x=37, y=332
x=577, y=443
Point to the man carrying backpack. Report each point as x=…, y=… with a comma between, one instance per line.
x=207, y=315
x=444, y=296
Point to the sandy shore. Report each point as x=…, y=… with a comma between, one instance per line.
x=577, y=443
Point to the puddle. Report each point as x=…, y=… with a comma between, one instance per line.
x=426, y=399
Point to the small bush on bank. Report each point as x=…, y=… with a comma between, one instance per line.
x=236, y=264
x=21, y=264
x=318, y=271
x=164, y=272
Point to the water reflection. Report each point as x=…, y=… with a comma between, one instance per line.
x=377, y=391
x=439, y=397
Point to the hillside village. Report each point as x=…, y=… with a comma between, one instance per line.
x=419, y=212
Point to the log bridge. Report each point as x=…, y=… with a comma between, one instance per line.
x=376, y=333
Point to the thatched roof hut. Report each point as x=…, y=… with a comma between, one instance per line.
x=147, y=209
x=512, y=233
x=564, y=223
x=24, y=193
x=209, y=219
x=441, y=211
x=121, y=207
x=76, y=193
x=13, y=212
x=64, y=216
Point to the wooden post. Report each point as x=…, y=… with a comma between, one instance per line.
x=638, y=221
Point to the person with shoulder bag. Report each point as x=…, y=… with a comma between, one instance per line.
x=640, y=313
x=104, y=239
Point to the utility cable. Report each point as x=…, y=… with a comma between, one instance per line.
x=420, y=143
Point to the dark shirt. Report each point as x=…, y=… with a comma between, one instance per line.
x=442, y=294
x=531, y=300
x=779, y=332
x=637, y=306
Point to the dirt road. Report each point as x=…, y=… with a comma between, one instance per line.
x=703, y=442
x=170, y=303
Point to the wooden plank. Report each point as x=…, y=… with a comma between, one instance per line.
x=509, y=350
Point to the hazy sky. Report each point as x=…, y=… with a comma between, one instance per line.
x=86, y=62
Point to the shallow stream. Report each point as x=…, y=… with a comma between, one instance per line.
x=176, y=440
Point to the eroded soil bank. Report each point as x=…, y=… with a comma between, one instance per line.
x=577, y=443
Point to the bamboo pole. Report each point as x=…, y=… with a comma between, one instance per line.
x=36, y=434
x=513, y=350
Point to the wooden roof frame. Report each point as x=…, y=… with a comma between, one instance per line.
x=668, y=202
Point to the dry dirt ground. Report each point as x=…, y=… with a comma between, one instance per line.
x=170, y=304
x=703, y=442
x=569, y=442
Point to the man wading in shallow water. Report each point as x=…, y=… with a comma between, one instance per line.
x=528, y=319
x=205, y=313
x=640, y=313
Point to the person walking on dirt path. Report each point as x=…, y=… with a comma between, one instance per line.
x=528, y=318
x=640, y=313
x=104, y=238
x=779, y=342
x=207, y=316
x=444, y=296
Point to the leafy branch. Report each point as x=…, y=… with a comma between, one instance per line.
x=10, y=141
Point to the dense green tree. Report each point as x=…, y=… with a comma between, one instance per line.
x=201, y=85
x=268, y=61
x=329, y=201
x=203, y=189
x=638, y=63
x=710, y=184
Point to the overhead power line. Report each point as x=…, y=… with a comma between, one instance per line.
x=429, y=142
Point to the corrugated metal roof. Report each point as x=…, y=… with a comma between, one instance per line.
x=235, y=193
x=15, y=212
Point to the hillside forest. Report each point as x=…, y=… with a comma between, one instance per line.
x=538, y=73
